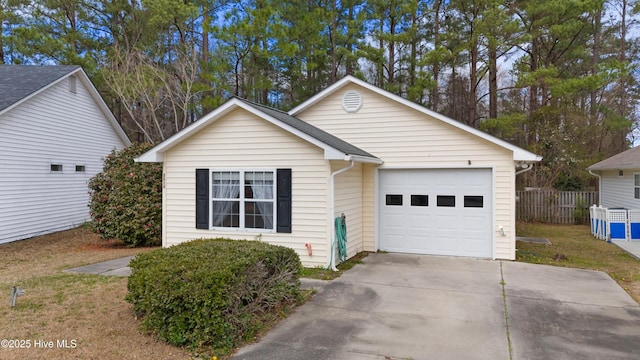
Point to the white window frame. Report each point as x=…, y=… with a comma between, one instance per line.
x=636, y=186
x=243, y=200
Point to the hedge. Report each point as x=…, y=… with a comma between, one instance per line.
x=214, y=293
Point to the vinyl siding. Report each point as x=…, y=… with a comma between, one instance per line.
x=240, y=140
x=348, y=201
x=616, y=191
x=405, y=138
x=53, y=127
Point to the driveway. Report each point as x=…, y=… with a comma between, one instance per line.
x=397, y=306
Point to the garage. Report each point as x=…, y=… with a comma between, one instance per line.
x=436, y=211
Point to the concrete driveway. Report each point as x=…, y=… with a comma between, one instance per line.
x=398, y=306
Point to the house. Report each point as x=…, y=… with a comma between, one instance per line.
x=619, y=179
x=406, y=178
x=54, y=131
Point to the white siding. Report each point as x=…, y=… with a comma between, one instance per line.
x=241, y=140
x=617, y=191
x=405, y=138
x=53, y=127
x=348, y=201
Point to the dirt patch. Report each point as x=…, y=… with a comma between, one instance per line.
x=70, y=316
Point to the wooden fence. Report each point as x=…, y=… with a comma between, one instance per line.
x=555, y=207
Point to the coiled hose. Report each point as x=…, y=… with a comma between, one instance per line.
x=341, y=237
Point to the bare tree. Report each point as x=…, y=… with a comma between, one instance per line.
x=156, y=98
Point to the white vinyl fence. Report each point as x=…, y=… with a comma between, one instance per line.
x=615, y=223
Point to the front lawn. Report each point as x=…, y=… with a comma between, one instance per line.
x=70, y=316
x=574, y=246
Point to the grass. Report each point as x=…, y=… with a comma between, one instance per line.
x=87, y=309
x=574, y=246
x=321, y=273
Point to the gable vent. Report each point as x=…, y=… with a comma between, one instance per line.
x=351, y=101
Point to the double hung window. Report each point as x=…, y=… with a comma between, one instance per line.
x=243, y=199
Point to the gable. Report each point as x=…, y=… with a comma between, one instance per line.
x=398, y=134
x=519, y=154
x=241, y=139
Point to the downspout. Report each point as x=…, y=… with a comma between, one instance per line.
x=526, y=167
x=331, y=264
x=599, y=186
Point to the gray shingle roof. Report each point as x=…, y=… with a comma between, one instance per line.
x=625, y=160
x=19, y=81
x=310, y=130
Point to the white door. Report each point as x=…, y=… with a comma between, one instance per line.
x=436, y=211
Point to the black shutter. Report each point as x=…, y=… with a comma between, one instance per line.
x=202, y=198
x=283, y=223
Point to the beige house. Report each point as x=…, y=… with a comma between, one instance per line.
x=407, y=179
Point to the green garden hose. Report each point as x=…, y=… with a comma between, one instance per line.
x=341, y=237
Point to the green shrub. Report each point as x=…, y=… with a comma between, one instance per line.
x=126, y=198
x=213, y=294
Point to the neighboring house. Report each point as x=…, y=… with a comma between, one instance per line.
x=55, y=130
x=407, y=179
x=619, y=180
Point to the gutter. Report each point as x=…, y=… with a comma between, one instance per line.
x=331, y=263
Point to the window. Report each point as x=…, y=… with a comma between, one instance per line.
x=636, y=186
x=473, y=201
x=80, y=168
x=446, y=201
x=72, y=84
x=56, y=167
x=242, y=199
x=393, y=200
x=419, y=200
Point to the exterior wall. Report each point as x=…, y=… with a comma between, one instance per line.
x=368, y=207
x=616, y=191
x=240, y=140
x=405, y=138
x=348, y=201
x=54, y=127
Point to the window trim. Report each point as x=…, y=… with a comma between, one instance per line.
x=242, y=200
x=636, y=186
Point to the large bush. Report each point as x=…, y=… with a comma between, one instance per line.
x=126, y=198
x=212, y=294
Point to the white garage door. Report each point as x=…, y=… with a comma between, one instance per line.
x=436, y=211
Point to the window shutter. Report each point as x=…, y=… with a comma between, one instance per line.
x=202, y=198
x=283, y=223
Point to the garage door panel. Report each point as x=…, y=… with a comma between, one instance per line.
x=460, y=226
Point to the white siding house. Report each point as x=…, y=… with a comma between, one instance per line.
x=407, y=179
x=619, y=180
x=54, y=131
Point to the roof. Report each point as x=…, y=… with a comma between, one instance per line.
x=625, y=160
x=519, y=154
x=18, y=83
x=334, y=148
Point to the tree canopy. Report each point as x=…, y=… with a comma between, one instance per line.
x=557, y=77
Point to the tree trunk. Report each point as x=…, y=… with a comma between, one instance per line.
x=493, y=79
x=435, y=70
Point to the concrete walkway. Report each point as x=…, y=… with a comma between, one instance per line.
x=116, y=267
x=632, y=247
